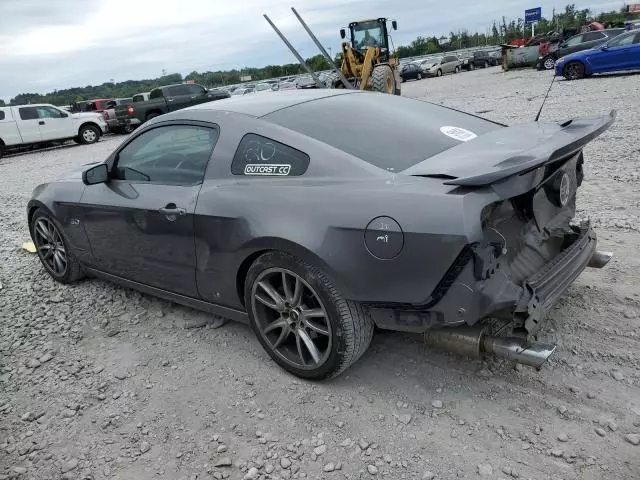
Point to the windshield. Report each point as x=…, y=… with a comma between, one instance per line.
x=368, y=34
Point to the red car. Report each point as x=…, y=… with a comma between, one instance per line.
x=95, y=105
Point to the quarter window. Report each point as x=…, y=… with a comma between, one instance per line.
x=257, y=155
x=174, y=154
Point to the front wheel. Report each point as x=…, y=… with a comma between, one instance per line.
x=88, y=134
x=53, y=248
x=457, y=70
x=486, y=64
x=302, y=320
x=472, y=66
x=573, y=71
x=419, y=76
x=549, y=63
x=439, y=73
x=383, y=79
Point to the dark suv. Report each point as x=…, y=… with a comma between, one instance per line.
x=484, y=59
x=577, y=43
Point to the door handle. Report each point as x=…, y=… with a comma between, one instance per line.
x=170, y=99
x=171, y=209
x=41, y=122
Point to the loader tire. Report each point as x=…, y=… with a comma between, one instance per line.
x=383, y=80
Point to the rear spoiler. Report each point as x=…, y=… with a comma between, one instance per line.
x=573, y=136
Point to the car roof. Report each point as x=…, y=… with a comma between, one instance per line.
x=258, y=106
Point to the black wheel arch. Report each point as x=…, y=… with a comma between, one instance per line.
x=259, y=247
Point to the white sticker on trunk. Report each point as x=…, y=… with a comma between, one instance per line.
x=458, y=133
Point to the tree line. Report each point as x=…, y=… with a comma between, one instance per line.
x=500, y=32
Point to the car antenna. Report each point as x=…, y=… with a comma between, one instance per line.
x=545, y=97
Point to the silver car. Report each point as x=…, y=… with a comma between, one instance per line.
x=438, y=66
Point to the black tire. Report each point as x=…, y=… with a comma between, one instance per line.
x=383, y=80
x=72, y=271
x=349, y=325
x=457, y=70
x=573, y=71
x=472, y=67
x=548, y=62
x=439, y=73
x=152, y=115
x=485, y=65
x=88, y=134
x=419, y=76
x=1, y=148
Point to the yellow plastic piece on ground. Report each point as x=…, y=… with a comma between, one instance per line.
x=29, y=247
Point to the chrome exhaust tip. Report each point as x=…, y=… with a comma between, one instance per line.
x=474, y=342
x=599, y=259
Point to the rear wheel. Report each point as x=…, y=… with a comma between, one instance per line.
x=53, y=248
x=301, y=319
x=573, y=71
x=472, y=66
x=486, y=64
x=88, y=134
x=383, y=80
x=419, y=76
x=152, y=115
x=457, y=70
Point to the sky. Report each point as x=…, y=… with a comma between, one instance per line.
x=54, y=44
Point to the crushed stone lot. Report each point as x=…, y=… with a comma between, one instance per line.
x=98, y=381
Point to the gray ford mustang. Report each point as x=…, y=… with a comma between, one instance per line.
x=316, y=216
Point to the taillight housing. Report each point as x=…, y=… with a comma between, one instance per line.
x=130, y=111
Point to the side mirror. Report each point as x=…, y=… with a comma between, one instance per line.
x=604, y=48
x=343, y=34
x=64, y=115
x=95, y=175
x=394, y=24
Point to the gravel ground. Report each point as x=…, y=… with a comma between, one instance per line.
x=97, y=381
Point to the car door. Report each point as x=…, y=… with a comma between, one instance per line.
x=177, y=97
x=28, y=125
x=197, y=94
x=54, y=124
x=140, y=224
x=620, y=53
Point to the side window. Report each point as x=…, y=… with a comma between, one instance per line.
x=28, y=113
x=574, y=41
x=591, y=36
x=178, y=90
x=196, y=90
x=48, y=112
x=157, y=93
x=257, y=155
x=621, y=40
x=173, y=154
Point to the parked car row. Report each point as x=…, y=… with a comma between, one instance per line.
x=438, y=65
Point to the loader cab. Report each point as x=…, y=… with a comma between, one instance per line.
x=370, y=33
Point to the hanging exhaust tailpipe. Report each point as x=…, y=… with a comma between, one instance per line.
x=475, y=342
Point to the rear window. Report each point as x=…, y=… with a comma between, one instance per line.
x=390, y=132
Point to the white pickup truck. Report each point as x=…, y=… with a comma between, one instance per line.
x=25, y=125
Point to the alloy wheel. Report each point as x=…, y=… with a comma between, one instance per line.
x=291, y=318
x=549, y=63
x=50, y=246
x=574, y=70
x=89, y=135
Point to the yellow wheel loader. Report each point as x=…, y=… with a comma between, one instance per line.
x=367, y=62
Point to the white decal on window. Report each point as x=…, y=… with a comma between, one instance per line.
x=261, y=169
x=458, y=133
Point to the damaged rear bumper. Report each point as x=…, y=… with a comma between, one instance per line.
x=466, y=301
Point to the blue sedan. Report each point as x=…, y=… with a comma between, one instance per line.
x=618, y=54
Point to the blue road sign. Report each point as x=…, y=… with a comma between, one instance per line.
x=533, y=15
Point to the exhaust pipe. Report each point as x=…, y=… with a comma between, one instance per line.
x=474, y=342
x=599, y=259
